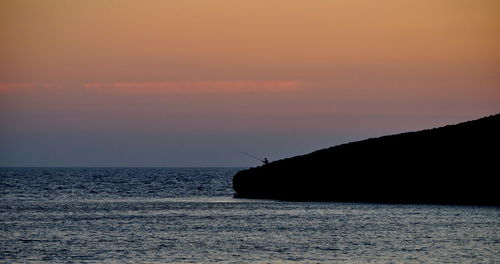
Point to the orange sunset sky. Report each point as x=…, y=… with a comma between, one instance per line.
x=195, y=82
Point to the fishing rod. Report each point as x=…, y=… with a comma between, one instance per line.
x=265, y=161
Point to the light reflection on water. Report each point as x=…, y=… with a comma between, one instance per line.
x=161, y=219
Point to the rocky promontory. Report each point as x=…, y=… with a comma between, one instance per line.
x=454, y=164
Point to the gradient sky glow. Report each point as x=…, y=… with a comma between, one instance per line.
x=194, y=83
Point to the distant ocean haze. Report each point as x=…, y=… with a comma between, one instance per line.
x=76, y=128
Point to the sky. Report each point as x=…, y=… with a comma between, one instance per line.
x=196, y=83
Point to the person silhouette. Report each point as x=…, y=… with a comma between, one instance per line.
x=265, y=161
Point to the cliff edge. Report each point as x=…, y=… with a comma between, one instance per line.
x=455, y=164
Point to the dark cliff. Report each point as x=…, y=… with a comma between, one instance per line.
x=455, y=164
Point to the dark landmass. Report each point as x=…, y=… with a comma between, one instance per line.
x=455, y=164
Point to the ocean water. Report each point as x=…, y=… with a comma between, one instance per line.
x=188, y=215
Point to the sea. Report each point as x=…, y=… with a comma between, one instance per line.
x=189, y=215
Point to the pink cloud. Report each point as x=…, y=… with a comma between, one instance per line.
x=201, y=87
x=196, y=87
x=12, y=87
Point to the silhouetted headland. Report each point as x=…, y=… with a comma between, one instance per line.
x=455, y=164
